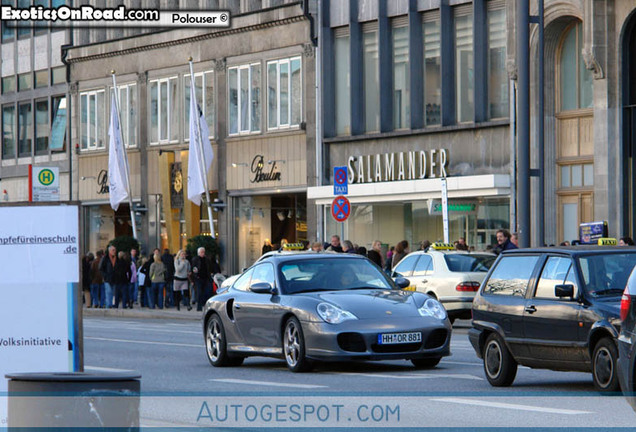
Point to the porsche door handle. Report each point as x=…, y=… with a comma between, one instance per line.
x=237, y=306
x=530, y=309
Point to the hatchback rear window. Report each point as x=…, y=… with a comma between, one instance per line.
x=469, y=263
x=511, y=276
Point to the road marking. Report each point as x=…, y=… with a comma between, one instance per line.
x=491, y=404
x=145, y=342
x=411, y=375
x=267, y=383
x=105, y=369
x=139, y=328
x=461, y=363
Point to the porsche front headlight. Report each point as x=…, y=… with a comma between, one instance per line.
x=333, y=314
x=432, y=307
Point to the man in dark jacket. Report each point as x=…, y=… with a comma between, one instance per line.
x=121, y=281
x=503, y=241
x=168, y=261
x=203, y=269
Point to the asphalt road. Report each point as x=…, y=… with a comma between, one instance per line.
x=180, y=388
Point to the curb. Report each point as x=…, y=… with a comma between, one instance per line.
x=144, y=313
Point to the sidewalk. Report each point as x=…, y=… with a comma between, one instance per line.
x=139, y=312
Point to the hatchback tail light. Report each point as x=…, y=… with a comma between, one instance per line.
x=467, y=286
x=626, y=301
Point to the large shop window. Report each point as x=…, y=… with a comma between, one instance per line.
x=464, y=64
x=42, y=129
x=204, y=90
x=284, y=93
x=575, y=136
x=128, y=113
x=92, y=120
x=401, y=75
x=8, y=132
x=497, y=74
x=244, y=83
x=475, y=219
x=164, y=111
x=371, y=77
x=25, y=129
x=342, y=65
x=432, y=69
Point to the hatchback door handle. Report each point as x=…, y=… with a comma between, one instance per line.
x=424, y=280
x=531, y=309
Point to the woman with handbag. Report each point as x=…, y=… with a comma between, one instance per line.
x=180, y=285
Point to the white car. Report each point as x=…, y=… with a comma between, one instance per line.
x=452, y=277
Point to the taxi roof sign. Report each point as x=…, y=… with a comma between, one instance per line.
x=442, y=246
x=607, y=241
x=294, y=246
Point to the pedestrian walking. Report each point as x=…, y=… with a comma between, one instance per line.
x=132, y=283
x=121, y=280
x=168, y=262
x=158, y=282
x=375, y=253
x=97, y=281
x=134, y=287
x=401, y=250
x=202, y=270
x=86, y=278
x=143, y=278
x=182, y=269
x=106, y=267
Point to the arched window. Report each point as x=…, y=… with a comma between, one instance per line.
x=575, y=135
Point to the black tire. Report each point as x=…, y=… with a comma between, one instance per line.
x=499, y=366
x=294, y=346
x=426, y=363
x=216, y=344
x=604, y=366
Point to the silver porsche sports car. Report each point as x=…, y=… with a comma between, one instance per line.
x=325, y=307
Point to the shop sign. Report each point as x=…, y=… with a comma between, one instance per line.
x=258, y=163
x=102, y=182
x=176, y=186
x=464, y=207
x=397, y=166
x=45, y=184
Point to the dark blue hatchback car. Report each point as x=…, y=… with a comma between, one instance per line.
x=627, y=341
x=552, y=308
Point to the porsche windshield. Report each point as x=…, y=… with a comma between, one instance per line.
x=331, y=274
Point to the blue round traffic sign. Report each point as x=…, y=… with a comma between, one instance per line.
x=340, y=208
x=340, y=177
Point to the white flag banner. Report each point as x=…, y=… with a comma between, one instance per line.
x=117, y=186
x=196, y=185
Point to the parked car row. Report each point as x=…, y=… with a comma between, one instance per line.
x=553, y=308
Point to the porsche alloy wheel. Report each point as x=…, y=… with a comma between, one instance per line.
x=294, y=347
x=216, y=345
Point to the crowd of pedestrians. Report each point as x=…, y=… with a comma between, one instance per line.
x=123, y=279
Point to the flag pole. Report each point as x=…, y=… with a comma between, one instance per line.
x=130, y=203
x=201, y=167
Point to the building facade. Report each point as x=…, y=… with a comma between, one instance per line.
x=34, y=106
x=426, y=89
x=255, y=86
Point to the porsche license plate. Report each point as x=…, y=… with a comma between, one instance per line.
x=399, y=338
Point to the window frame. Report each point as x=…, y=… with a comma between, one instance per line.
x=90, y=143
x=204, y=97
x=29, y=128
x=290, y=109
x=131, y=118
x=249, y=67
x=14, y=120
x=169, y=113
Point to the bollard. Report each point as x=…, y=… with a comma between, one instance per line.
x=73, y=400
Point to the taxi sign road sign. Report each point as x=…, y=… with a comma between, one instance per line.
x=340, y=208
x=340, y=181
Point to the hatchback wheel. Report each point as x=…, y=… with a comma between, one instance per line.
x=604, y=366
x=216, y=345
x=499, y=366
x=294, y=347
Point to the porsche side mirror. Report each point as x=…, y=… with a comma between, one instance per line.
x=262, y=288
x=402, y=282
